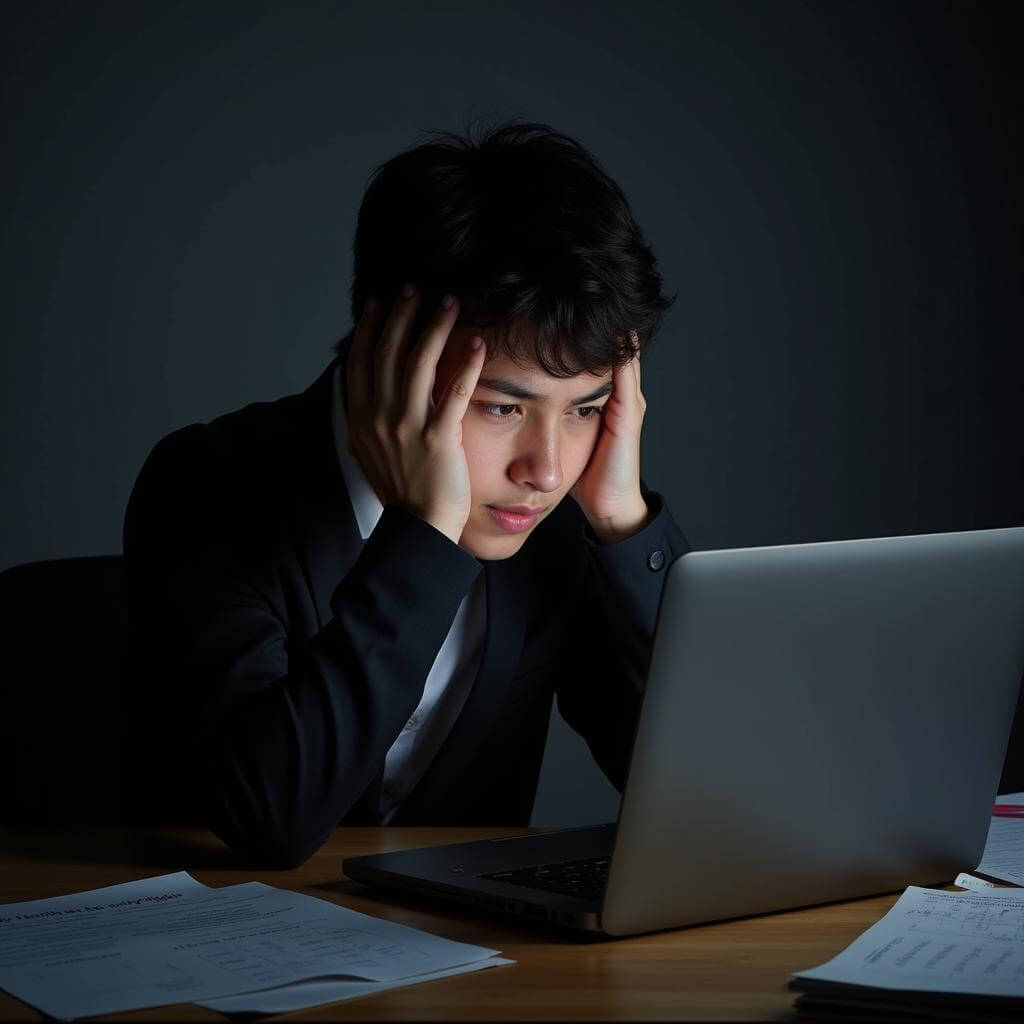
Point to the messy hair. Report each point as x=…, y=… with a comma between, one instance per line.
x=524, y=225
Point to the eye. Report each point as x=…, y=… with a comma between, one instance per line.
x=499, y=412
x=582, y=414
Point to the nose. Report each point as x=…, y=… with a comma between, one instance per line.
x=538, y=464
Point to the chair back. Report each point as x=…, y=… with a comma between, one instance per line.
x=64, y=624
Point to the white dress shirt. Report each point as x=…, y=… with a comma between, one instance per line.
x=455, y=667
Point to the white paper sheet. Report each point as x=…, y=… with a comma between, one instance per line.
x=936, y=941
x=1004, y=849
x=170, y=939
x=315, y=993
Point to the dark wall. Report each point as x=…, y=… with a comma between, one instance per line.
x=832, y=189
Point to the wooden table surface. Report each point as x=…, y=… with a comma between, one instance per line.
x=733, y=970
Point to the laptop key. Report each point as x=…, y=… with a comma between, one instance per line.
x=584, y=879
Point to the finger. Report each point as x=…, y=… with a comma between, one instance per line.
x=629, y=399
x=421, y=366
x=636, y=362
x=455, y=401
x=359, y=372
x=390, y=351
x=622, y=383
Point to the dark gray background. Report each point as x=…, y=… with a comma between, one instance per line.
x=832, y=190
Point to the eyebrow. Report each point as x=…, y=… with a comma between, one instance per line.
x=507, y=386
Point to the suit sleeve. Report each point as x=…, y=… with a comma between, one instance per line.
x=284, y=740
x=603, y=668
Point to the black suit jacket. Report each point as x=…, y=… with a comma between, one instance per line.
x=277, y=657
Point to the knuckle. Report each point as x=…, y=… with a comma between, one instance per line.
x=458, y=389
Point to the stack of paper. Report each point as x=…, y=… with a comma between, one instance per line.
x=936, y=954
x=956, y=954
x=242, y=948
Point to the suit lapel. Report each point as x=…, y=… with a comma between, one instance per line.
x=325, y=531
x=506, y=586
x=326, y=534
x=505, y=583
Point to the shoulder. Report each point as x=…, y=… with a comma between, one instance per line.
x=224, y=475
x=260, y=433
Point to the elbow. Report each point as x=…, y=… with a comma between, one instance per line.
x=269, y=812
x=266, y=829
x=264, y=844
x=275, y=855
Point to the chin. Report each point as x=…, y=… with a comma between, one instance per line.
x=490, y=548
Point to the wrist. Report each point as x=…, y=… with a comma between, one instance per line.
x=622, y=525
x=443, y=524
x=451, y=530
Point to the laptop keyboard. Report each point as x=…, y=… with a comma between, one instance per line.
x=584, y=879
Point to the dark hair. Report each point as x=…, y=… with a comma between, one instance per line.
x=527, y=229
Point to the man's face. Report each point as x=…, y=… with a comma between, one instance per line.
x=527, y=437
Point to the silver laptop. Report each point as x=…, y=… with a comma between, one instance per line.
x=820, y=721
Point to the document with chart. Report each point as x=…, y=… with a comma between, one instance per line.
x=967, y=944
x=171, y=940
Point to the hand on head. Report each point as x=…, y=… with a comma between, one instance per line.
x=408, y=444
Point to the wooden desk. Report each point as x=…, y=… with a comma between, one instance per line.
x=736, y=970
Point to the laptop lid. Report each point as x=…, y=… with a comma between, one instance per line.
x=821, y=721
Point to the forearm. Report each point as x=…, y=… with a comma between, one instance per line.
x=294, y=757
x=284, y=728
x=612, y=636
x=627, y=579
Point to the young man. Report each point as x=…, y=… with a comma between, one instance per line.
x=358, y=603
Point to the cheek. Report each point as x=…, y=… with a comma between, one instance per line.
x=577, y=456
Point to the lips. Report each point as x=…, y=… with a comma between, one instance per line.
x=520, y=510
x=512, y=519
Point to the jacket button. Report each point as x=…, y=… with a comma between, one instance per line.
x=656, y=560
